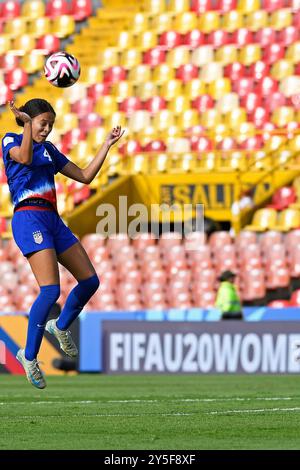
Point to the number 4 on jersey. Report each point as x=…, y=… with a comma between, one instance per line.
x=46, y=154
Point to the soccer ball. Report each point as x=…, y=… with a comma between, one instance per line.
x=62, y=69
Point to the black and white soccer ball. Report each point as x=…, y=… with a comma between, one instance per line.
x=62, y=69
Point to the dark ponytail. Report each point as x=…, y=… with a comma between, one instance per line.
x=35, y=107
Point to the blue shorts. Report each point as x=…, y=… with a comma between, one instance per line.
x=36, y=230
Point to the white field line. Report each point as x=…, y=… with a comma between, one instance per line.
x=179, y=400
x=260, y=410
x=97, y=415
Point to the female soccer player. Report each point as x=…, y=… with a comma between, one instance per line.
x=30, y=164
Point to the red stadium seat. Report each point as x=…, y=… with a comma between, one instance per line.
x=272, y=5
x=130, y=104
x=273, y=52
x=265, y=36
x=72, y=137
x=81, y=192
x=226, y=5
x=155, y=56
x=155, y=146
x=266, y=86
x=296, y=19
x=283, y=198
x=56, y=8
x=251, y=101
x=6, y=94
x=193, y=39
x=187, y=72
x=142, y=240
x=82, y=107
x=96, y=90
x=49, y=42
x=228, y=143
x=219, y=239
x=9, y=62
x=243, y=86
x=201, y=6
x=131, y=147
x=218, y=38
x=114, y=74
x=288, y=35
x=252, y=143
x=155, y=104
x=259, y=117
x=277, y=277
x=274, y=101
x=253, y=285
x=235, y=71
x=170, y=39
x=90, y=121
x=202, y=144
x=202, y=103
x=10, y=9
x=258, y=70
x=241, y=37
x=295, y=298
x=81, y=9
x=16, y=79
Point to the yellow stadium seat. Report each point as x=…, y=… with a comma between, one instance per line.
x=33, y=9
x=61, y=105
x=75, y=92
x=290, y=85
x=281, y=18
x=207, y=161
x=283, y=115
x=125, y=40
x=194, y=88
x=163, y=119
x=116, y=119
x=179, y=104
x=178, y=5
x=63, y=26
x=209, y=21
x=250, y=54
x=227, y=54
x=219, y=88
x=139, y=120
x=282, y=68
x=220, y=132
x=244, y=131
x=256, y=20
x=235, y=118
x=24, y=43
x=91, y=74
x=274, y=142
x=146, y=90
x=294, y=144
x=232, y=20
x=122, y=90
x=211, y=71
x=210, y=118
x=130, y=58
x=159, y=163
x=263, y=219
x=155, y=6
x=188, y=118
x=146, y=40
x=137, y=164
x=163, y=73
x=288, y=219
x=140, y=73
x=147, y=135
x=162, y=22
x=33, y=62
x=106, y=105
x=39, y=26
x=227, y=102
x=172, y=131
x=5, y=43
x=202, y=55
x=108, y=57
x=178, y=56
x=139, y=22
x=171, y=89
x=16, y=26
x=293, y=52
x=96, y=137
x=247, y=6
x=66, y=122
x=178, y=145
x=82, y=150
x=184, y=22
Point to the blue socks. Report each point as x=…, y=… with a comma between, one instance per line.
x=77, y=299
x=37, y=319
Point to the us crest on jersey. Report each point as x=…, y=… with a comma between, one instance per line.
x=38, y=237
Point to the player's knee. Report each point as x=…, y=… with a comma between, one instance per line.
x=51, y=293
x=94, y=283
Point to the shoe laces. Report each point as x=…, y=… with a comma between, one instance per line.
x=35, y=369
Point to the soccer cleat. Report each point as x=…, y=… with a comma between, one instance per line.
x=64, y=338
x=32, y=370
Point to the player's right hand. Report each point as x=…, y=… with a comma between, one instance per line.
x=19, y=114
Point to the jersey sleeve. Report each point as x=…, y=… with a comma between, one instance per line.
x=58, y=158
x=9, y=141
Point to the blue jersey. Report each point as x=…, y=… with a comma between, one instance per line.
x=36, y=179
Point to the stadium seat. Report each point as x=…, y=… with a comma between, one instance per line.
x=235, y=71
x=6, y=94
x=162, y=22
x=10, y=9
x=33, y=9
x=288, y=35
x=56, y=8
x=265, y=36
x=288, y=219
x=277, y=277
x=131, y=104
x=281, y=18
x=263, y=219
x=186, y=21
x=154, y=57
x=170, y=39
x=256, y=20
x=114, y=74
x=227, y=54
x=274, y=101
x=16, y=24
x=16, y=79
x=250, y=54
x=295, y=298
x=178, y=56
x=218, y=38
x=156, y=103
x=146, y=40
x=193, y=39
x=33, y=62
x=202, y=55
x=279, y=304
x=81, y=9
x=211, y=71
x=232, y=20
x=209, y=21
x=49, y=42
x=273, y=52
x=63, y=26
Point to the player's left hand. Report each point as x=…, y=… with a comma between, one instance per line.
x=114, y=135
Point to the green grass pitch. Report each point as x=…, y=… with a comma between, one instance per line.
x=151, y=412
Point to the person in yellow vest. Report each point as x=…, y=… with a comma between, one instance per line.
x=228, y=301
